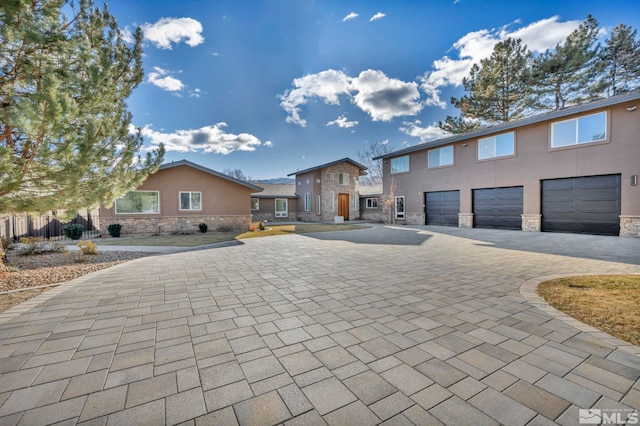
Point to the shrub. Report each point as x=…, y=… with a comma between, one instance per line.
x=253, y=226
x=73, y=230
x=225, y=228
x=203, y=227
x=261, y=226
x=29, y=246
x=88, y=247
x=114, y=229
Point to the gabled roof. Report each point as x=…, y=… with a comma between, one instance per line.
x=275, y=190
x=590, y=106
x=333, y=163
x=256, y=188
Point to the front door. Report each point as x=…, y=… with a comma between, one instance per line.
x=343, y=206
x=399, y=207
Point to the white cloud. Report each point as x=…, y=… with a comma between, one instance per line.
x=173, y=30
x=384, y=98
x=352, y=15
x=428, y=133
x=381, y=97
x=477, y=45
x=268, y=144
x=343, y=122
x=196, y=93
x=326, y=85
x=159, y=78
x=377, y=16
x=207, y=139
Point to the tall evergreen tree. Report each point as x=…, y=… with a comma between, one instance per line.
x=498, y=89
x=568, y=74
x=620, y=61
x=65, y=73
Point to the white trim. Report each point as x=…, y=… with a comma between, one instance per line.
x=399, y=214
x=318, y=207
x=281, y=213
x=257, y=200
x=190, y=209
x=307, y=201
x=577, y=130
x=369, y=203
x=494, y=140
x=401, y=171
x=332, y=201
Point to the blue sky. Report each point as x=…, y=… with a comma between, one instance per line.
x=275, y=86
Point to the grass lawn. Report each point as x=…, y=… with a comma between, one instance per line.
x=198, y=239
x=610, y=303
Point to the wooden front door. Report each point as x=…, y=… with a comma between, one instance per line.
x=343, y=206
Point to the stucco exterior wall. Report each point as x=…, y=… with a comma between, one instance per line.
x=534, y=161
x=223, y=202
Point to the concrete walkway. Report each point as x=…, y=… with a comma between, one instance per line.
x=392, y=325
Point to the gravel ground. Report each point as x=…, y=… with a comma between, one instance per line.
x=52, y=268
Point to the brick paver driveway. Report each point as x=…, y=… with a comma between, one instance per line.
x=398, y=325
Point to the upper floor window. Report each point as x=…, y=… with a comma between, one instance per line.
x=496, y=146
x=190, y=201
x=585, y=129
x=255, y=204
x=400, y=164
x=372, y=203
x=343, y=178
x=139, y=202
x=441, y=156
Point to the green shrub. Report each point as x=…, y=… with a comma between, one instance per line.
x=73, y=231
x=88, y=247
x=225, y=228
x=261, y=226
x=114, y=229
x=203, y=227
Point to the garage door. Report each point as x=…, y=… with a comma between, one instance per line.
x=499, y=208
x=442, y=207
x=585, y=205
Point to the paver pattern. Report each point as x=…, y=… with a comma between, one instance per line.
x=390, y=325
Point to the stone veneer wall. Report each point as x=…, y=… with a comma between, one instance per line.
x=630, y=226
x=531, y=222
x=329, y=185
x=465, y=220
x=175, y=224
x=374, y=215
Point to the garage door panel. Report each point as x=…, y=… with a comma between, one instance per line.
x=442, y=208
x=588, y=205
x=499, y=208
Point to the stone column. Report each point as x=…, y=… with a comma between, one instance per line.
x=465, y=220
x=531, y=222
x=630, y=226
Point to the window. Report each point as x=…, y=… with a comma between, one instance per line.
x=590, y=128
x=190, y=201
x=372, y=203
x=281, y=207
x=307, y=202
x=255, y=204
x=496, y=146
x=400, y=164
x=399, y=207
x=332, y=202
x=318, y=204
x=441, y=156
x=343, y=178
x=139, y=202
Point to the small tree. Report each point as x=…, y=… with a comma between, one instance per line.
x=237, y=174
x=366, y=155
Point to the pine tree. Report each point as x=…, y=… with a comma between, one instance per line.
x=498, y=89
x=620, y=61
x=65, y=73
x=568, y=75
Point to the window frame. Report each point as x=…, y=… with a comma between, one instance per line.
x=190, y=209
x=398, y=214
x=552, y=138
x=407, y=157
x=439, y=150
x=307, y=202
x=318, y=205
x=495, y=146
x=279, y=213
x=344, y=177
x=332, y=202
x=115, y=203
x=369, y=203
x=257, y=200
